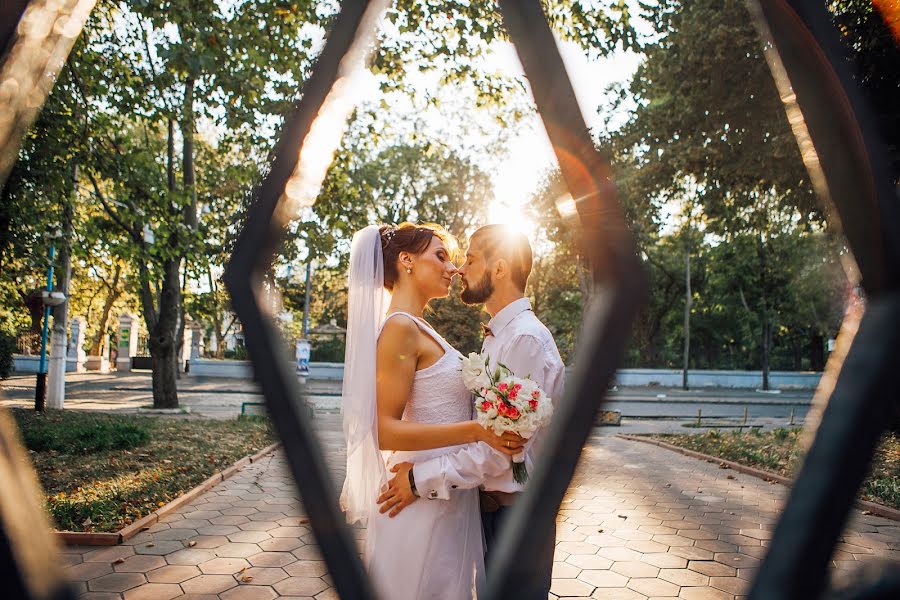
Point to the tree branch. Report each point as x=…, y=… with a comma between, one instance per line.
x=134, y=233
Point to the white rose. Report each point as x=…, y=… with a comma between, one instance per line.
x=474, y=372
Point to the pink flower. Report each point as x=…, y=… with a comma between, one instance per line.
x=536, y=394
x=503, y=387
x=513, y=393
x=513, y=413
x=502, y=408
x=487, y=405
x=533, y=404
x=517, y=387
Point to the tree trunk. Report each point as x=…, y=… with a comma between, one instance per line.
x=111, y=297
x=687, y=317
x=766, y=317
x=190, y=215
x=216, y=316
x=162, y=341
x=56, y=372
x=179, y=334
x=163, y=323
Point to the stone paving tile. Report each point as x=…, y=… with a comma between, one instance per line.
x=139, y=564
x=116, y=582
x=249, y=593
x=639, y=522
x=154, y=591
x=172, y=574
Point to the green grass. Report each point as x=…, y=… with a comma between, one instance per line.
x=779, y=451
x=102, y=472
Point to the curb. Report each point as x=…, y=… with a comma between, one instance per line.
x=78, y=538
x=864, y=505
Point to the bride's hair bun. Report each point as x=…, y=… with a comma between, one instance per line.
x=408, y=237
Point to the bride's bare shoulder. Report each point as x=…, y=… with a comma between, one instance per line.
x=399, y=332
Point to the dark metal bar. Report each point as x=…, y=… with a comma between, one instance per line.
x=839, y=139
x=29, y=563
x=252, y=257
x=620, y=287
x=848, y=165
x=863, y=402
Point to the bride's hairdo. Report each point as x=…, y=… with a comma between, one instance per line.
x=408, y=237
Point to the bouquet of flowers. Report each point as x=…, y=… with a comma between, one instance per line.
x=504, y=402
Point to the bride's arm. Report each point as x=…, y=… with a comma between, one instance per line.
x=396, y=358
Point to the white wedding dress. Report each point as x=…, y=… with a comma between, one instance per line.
x=433, y=549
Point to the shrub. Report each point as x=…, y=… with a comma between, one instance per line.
x=7, y=348
x=82, y=436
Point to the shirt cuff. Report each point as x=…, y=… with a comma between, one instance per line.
x=430, y=480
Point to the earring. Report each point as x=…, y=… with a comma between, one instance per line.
x=409, y=270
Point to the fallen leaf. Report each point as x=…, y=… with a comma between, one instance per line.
x=192, y=544
x=118, y=561
x=242, y=570
x=723, y=466
x=729, y=477
x=304, y=521
x=868, y=512
x=247, y=578
x=150, y=545
x=622, y=517
x=599, y=531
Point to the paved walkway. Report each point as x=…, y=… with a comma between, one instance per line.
x=638, y=522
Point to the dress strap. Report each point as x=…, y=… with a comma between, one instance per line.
x=423, y=325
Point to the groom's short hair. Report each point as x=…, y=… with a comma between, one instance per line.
x=500, y=241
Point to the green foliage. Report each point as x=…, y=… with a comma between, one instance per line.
x=7, y=349
x=328, y=349
x=458, y=323
x=87, y=434
x=111, y=487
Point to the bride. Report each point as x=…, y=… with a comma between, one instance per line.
x=404, y=401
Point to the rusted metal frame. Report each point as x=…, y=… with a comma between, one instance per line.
x=848, y=165
x=619, y=290
x=253, y=255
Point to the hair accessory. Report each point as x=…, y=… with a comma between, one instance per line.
x=389, y=233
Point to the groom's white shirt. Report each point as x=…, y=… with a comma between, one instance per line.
x=521, y=342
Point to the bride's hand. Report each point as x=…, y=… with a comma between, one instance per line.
x=509, y=443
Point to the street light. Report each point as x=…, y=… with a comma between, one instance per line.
x=50, y=299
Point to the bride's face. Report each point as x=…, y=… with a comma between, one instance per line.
x=433, y=270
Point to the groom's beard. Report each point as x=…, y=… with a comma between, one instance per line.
x=479, y=292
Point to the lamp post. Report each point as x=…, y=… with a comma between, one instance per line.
x=40, y=388
x=50, y=299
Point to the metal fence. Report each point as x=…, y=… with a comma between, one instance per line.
x=848, y=165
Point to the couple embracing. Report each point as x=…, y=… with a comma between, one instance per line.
x=432, y=486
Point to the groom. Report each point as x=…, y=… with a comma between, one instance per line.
x=498, y=263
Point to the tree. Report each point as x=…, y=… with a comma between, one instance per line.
x=708, y=113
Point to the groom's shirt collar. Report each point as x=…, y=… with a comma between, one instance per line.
x=507, y=314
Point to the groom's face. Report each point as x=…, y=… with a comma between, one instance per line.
x=476, y=276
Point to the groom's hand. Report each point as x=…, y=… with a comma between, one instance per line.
x=399, y=495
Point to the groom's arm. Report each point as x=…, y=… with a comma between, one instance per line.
x=471, y=465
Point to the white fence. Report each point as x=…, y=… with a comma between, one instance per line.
x=667, y=378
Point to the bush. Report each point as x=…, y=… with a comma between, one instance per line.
x=328, y=350
x=7, y=349
x=239, y=353
x=94, y=433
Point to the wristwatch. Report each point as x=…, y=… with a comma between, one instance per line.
x=412, y=484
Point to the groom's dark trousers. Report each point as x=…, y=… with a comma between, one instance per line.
x=493, y=522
